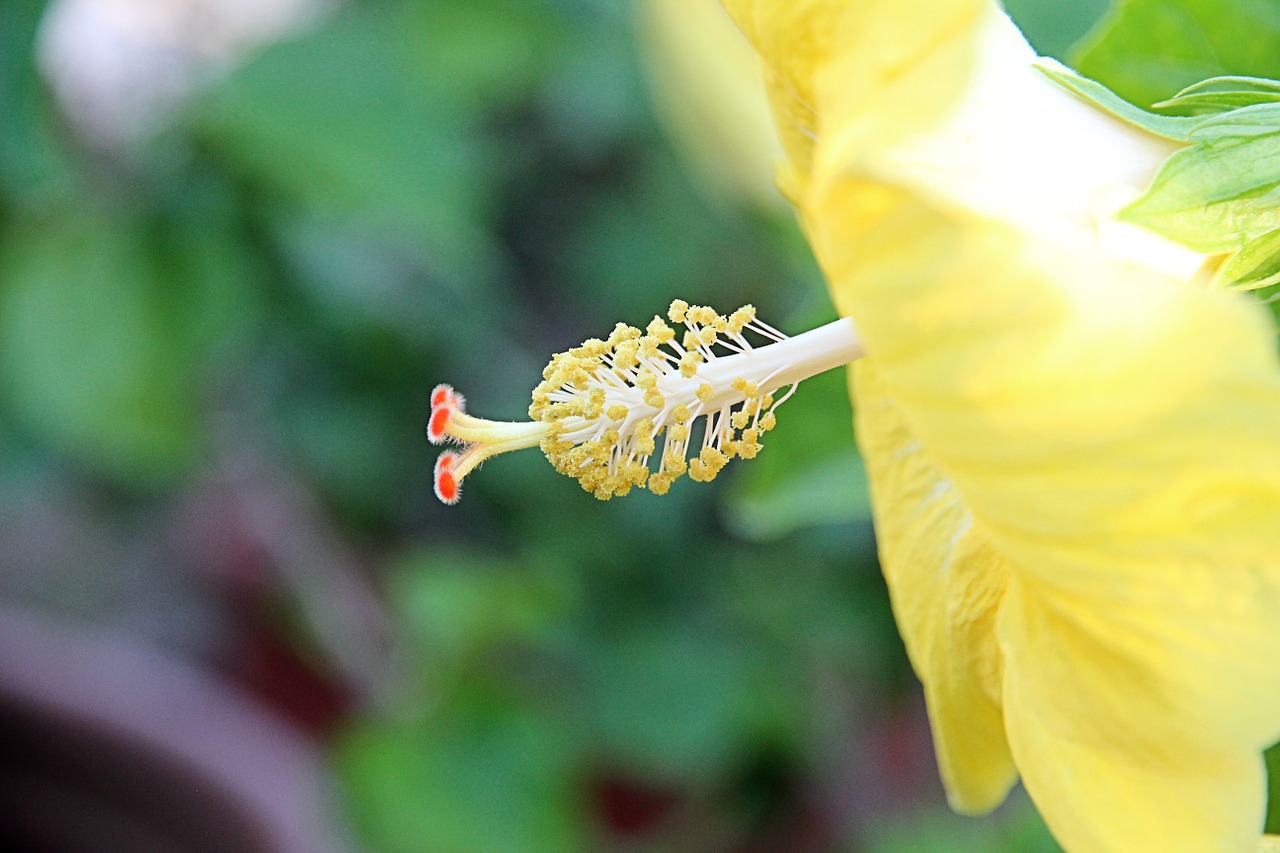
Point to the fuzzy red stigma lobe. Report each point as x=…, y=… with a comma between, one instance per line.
x=438, y=423
x=447, y=487
x=440, y=395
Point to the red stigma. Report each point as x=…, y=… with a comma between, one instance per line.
x=441, y=395
x=448, y=489
x=439, y=421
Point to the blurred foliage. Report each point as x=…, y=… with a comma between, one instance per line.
x=410, y=193
x=1021, y=833
x=1146, y=50
x=1054, y=27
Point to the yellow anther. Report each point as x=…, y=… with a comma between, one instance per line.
x=623, y=332
x=768, y=421
x=594, y=347
x=552, y=366
x=616, y=412
x=745, y=387
x=679, y=432
x=689, y=364
x=636, y=473
x=678, y=310
x=713, y=458
x=739, y=319
x=681, y=413
x=660, y=484
x=660, y=331
x=707, y=336
x=705, y=391
x=703, y=315
x=740, y=420
x=625, y=355
x=653, y=397
x=646, y=380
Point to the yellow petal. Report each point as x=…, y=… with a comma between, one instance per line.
x=802, y=41
x=1112, y=434
x=706, y=80
x=1103, y=722
x=1107, y=427
x=945, y=583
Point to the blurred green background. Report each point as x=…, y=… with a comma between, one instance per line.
x=232, y=266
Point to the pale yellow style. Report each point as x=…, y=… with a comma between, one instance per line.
x=1074, y=446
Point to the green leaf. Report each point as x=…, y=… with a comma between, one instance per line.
x=1272, y=759
x=1255, y=120
x=1217, y=195
x=1053, y=27
x=1221, y=193
x=1255, y=266
x=1145, y=49
x=1219, y=94
x=1170, y=127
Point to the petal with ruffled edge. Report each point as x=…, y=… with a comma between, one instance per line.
x=946, y=584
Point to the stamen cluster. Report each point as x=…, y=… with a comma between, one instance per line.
x=607, y=402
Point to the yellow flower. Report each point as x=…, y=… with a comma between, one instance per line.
x=1072, y=442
